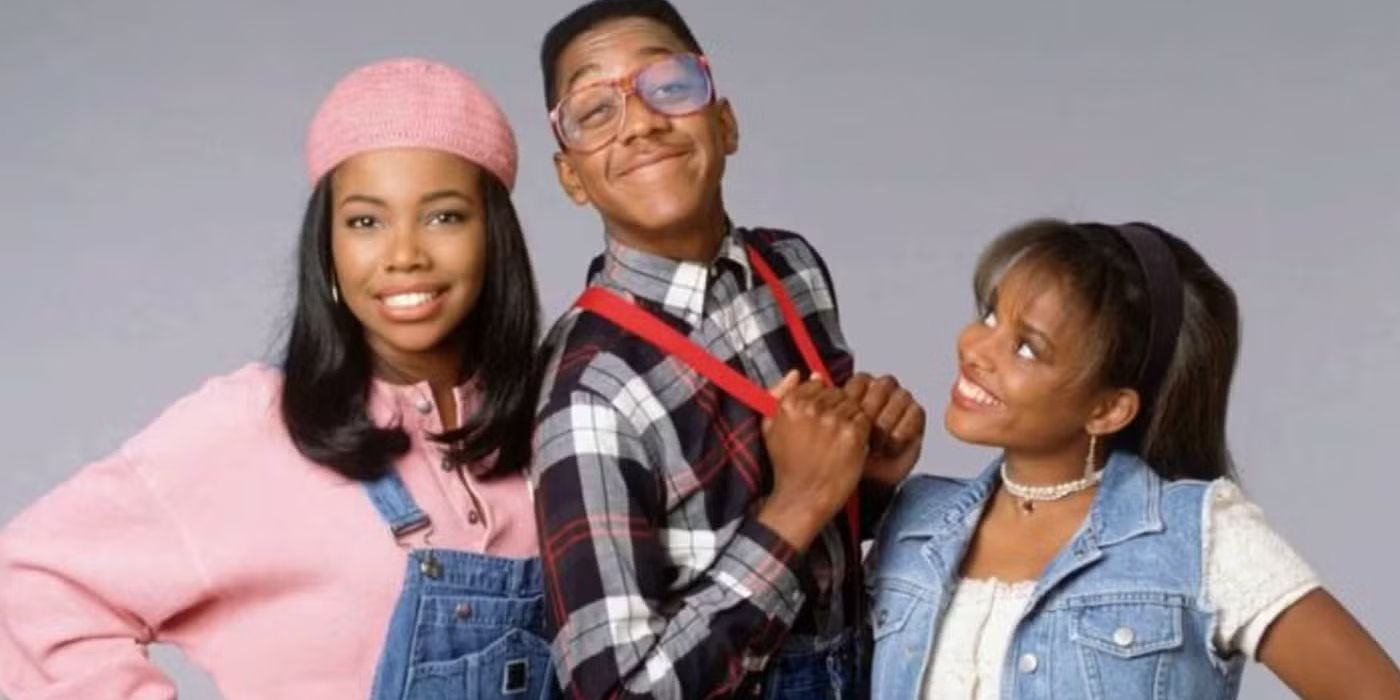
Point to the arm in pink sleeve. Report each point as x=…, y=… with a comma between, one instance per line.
x=88, y=574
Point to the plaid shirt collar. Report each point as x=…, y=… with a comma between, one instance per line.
x=679, y=286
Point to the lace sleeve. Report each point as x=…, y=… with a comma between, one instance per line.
x=1252, y=574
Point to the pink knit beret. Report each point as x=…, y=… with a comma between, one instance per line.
x=410, y=102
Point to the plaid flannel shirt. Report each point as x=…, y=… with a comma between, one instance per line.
x=660, y=580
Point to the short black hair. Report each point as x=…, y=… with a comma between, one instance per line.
x=595, y=13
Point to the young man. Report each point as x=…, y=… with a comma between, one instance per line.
x=692, y=547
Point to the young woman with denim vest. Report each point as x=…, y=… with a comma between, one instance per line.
x=355, y=522
x=1105, y=553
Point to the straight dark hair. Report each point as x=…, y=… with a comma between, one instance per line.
x=329, y=366
x=1182, y=433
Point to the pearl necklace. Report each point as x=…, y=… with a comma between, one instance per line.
x=1029, y=495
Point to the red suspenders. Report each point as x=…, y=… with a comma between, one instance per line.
x=644, y=325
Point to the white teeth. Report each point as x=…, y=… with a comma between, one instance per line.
x=975, y=393
x=404, y=301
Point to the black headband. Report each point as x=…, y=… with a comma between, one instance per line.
x=1165, y=299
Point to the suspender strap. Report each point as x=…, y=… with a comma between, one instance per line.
x=796, y=327
x=644, y=325
x=636, y=320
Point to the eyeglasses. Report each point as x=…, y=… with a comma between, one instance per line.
x=591, y=116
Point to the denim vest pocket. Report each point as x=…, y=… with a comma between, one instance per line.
x=1127, y=625
x=892, y=603
x=1122, y=639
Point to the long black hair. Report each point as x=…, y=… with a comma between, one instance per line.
x=328, y=363
x=1182, y=432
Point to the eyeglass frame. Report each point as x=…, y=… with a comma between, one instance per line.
x=627, y=85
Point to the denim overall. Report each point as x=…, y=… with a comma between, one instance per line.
x=467, y=626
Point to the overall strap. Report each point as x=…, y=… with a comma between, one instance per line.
x=395, y=505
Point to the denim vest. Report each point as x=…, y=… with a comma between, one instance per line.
x=1118, y=613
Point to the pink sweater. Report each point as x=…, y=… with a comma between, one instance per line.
x=210, y=531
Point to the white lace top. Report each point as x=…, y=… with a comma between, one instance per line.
x=1252, y=575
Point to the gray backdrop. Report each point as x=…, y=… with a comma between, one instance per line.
x=152, y=186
